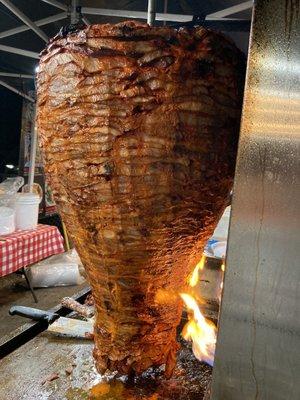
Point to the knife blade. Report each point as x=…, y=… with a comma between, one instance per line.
x=72, y=327
x=56, y=324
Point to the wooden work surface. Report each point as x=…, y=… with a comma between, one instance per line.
x=24, y=371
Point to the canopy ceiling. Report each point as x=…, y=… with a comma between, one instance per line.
x=36, y=10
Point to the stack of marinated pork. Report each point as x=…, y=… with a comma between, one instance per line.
x=139, y=128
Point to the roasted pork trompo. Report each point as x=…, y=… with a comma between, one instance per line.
x=139, y=127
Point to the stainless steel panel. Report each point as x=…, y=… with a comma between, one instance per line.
x=258, y=348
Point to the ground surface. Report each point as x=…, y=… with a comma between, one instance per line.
x=14, y=291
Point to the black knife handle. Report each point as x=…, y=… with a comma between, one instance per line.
x=33, y=313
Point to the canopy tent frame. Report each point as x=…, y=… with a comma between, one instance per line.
x=56, y=4
x=19, y=92
x=217, y=20
x=217, y=16
x=16, y=11
x=40, y=22
x=13, y=75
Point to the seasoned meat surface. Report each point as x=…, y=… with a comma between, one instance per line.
x=139, y=128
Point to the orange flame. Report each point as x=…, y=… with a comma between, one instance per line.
x=199, y=330
x=194, y=277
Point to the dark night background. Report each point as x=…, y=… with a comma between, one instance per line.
x=10, y=127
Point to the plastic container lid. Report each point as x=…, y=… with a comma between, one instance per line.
x=28, y=198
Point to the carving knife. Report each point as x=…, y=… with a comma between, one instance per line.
x=58, y=325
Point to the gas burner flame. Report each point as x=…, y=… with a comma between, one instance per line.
x=194, y=277
x=199, y=330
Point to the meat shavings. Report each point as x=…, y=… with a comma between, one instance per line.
x=50, y=378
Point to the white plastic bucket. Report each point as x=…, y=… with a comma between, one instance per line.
x=7, y=220
x=27, y=210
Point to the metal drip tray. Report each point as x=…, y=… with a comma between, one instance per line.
x=24, y=371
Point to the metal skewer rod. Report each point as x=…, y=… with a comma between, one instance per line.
x=151, y=12
x=165, y=10
x=74, y=12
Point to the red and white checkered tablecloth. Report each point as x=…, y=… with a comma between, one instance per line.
x=23, y=248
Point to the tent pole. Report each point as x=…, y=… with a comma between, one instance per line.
x=32, y=153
